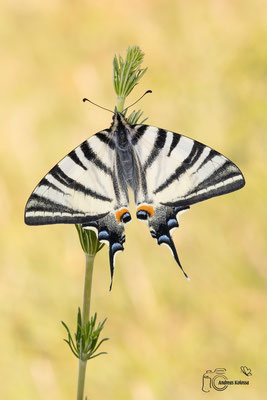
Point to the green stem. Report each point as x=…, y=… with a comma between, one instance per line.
x=81, y=379
x=120, y=103
x=89, y=265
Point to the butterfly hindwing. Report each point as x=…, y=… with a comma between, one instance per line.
x=110, y=230
x=178, y=171
x=162, y=223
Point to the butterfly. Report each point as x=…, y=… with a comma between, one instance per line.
x=166, y=171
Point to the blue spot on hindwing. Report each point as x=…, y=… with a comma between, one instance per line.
x=172, y=223
x=126, y=217
x=164, y=239
x=103, y=235
x=142, y=214
x=116, y=247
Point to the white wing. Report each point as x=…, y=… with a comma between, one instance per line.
x=82, y=187
x=181, y=171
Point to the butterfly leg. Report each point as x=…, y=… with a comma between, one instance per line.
x=110, y=230
x=162, y=220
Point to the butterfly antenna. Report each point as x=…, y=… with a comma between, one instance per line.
x=85, y=99
x=148, y=91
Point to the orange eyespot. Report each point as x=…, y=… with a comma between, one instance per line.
x=148, y=209
x=120, y=213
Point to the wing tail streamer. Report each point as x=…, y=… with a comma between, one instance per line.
x=111, y=232
x=162, y=221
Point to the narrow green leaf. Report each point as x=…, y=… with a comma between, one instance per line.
x=99, y=344
x=99, y=354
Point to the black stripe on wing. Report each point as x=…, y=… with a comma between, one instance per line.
x=45, y=182
x=158, y=145
x=175, y=140
x=193, y=156
x=221, y=174
x=40, y=203
x=105, y=137
x=47, y=219
x=139, y=132
x=64, y=179
x=208, y=190
x=209, y=157
x=91, y=156
x=42, y=211
x=76, y=159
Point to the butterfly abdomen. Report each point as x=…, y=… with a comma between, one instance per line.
x=126, y=163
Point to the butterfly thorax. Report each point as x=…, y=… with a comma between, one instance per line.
x=121, y=131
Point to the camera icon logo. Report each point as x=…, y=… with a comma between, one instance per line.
x=214, y=379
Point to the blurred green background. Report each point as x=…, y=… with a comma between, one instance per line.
x=208, y=71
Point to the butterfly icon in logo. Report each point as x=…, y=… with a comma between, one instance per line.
x=246, y=370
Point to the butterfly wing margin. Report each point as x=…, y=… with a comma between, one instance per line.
x=80, y=188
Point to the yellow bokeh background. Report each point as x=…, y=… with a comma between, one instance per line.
x=208, y=71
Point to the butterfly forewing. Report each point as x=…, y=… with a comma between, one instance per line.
x=181, y=171
x=80, y=188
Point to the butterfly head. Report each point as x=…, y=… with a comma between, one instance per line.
x=119, y=122
x=119, y=126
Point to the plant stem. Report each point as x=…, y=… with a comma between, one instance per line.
x=89, y=265
x=81, y=379
x=120, y=103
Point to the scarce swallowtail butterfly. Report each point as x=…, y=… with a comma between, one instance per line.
x=167, y=172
